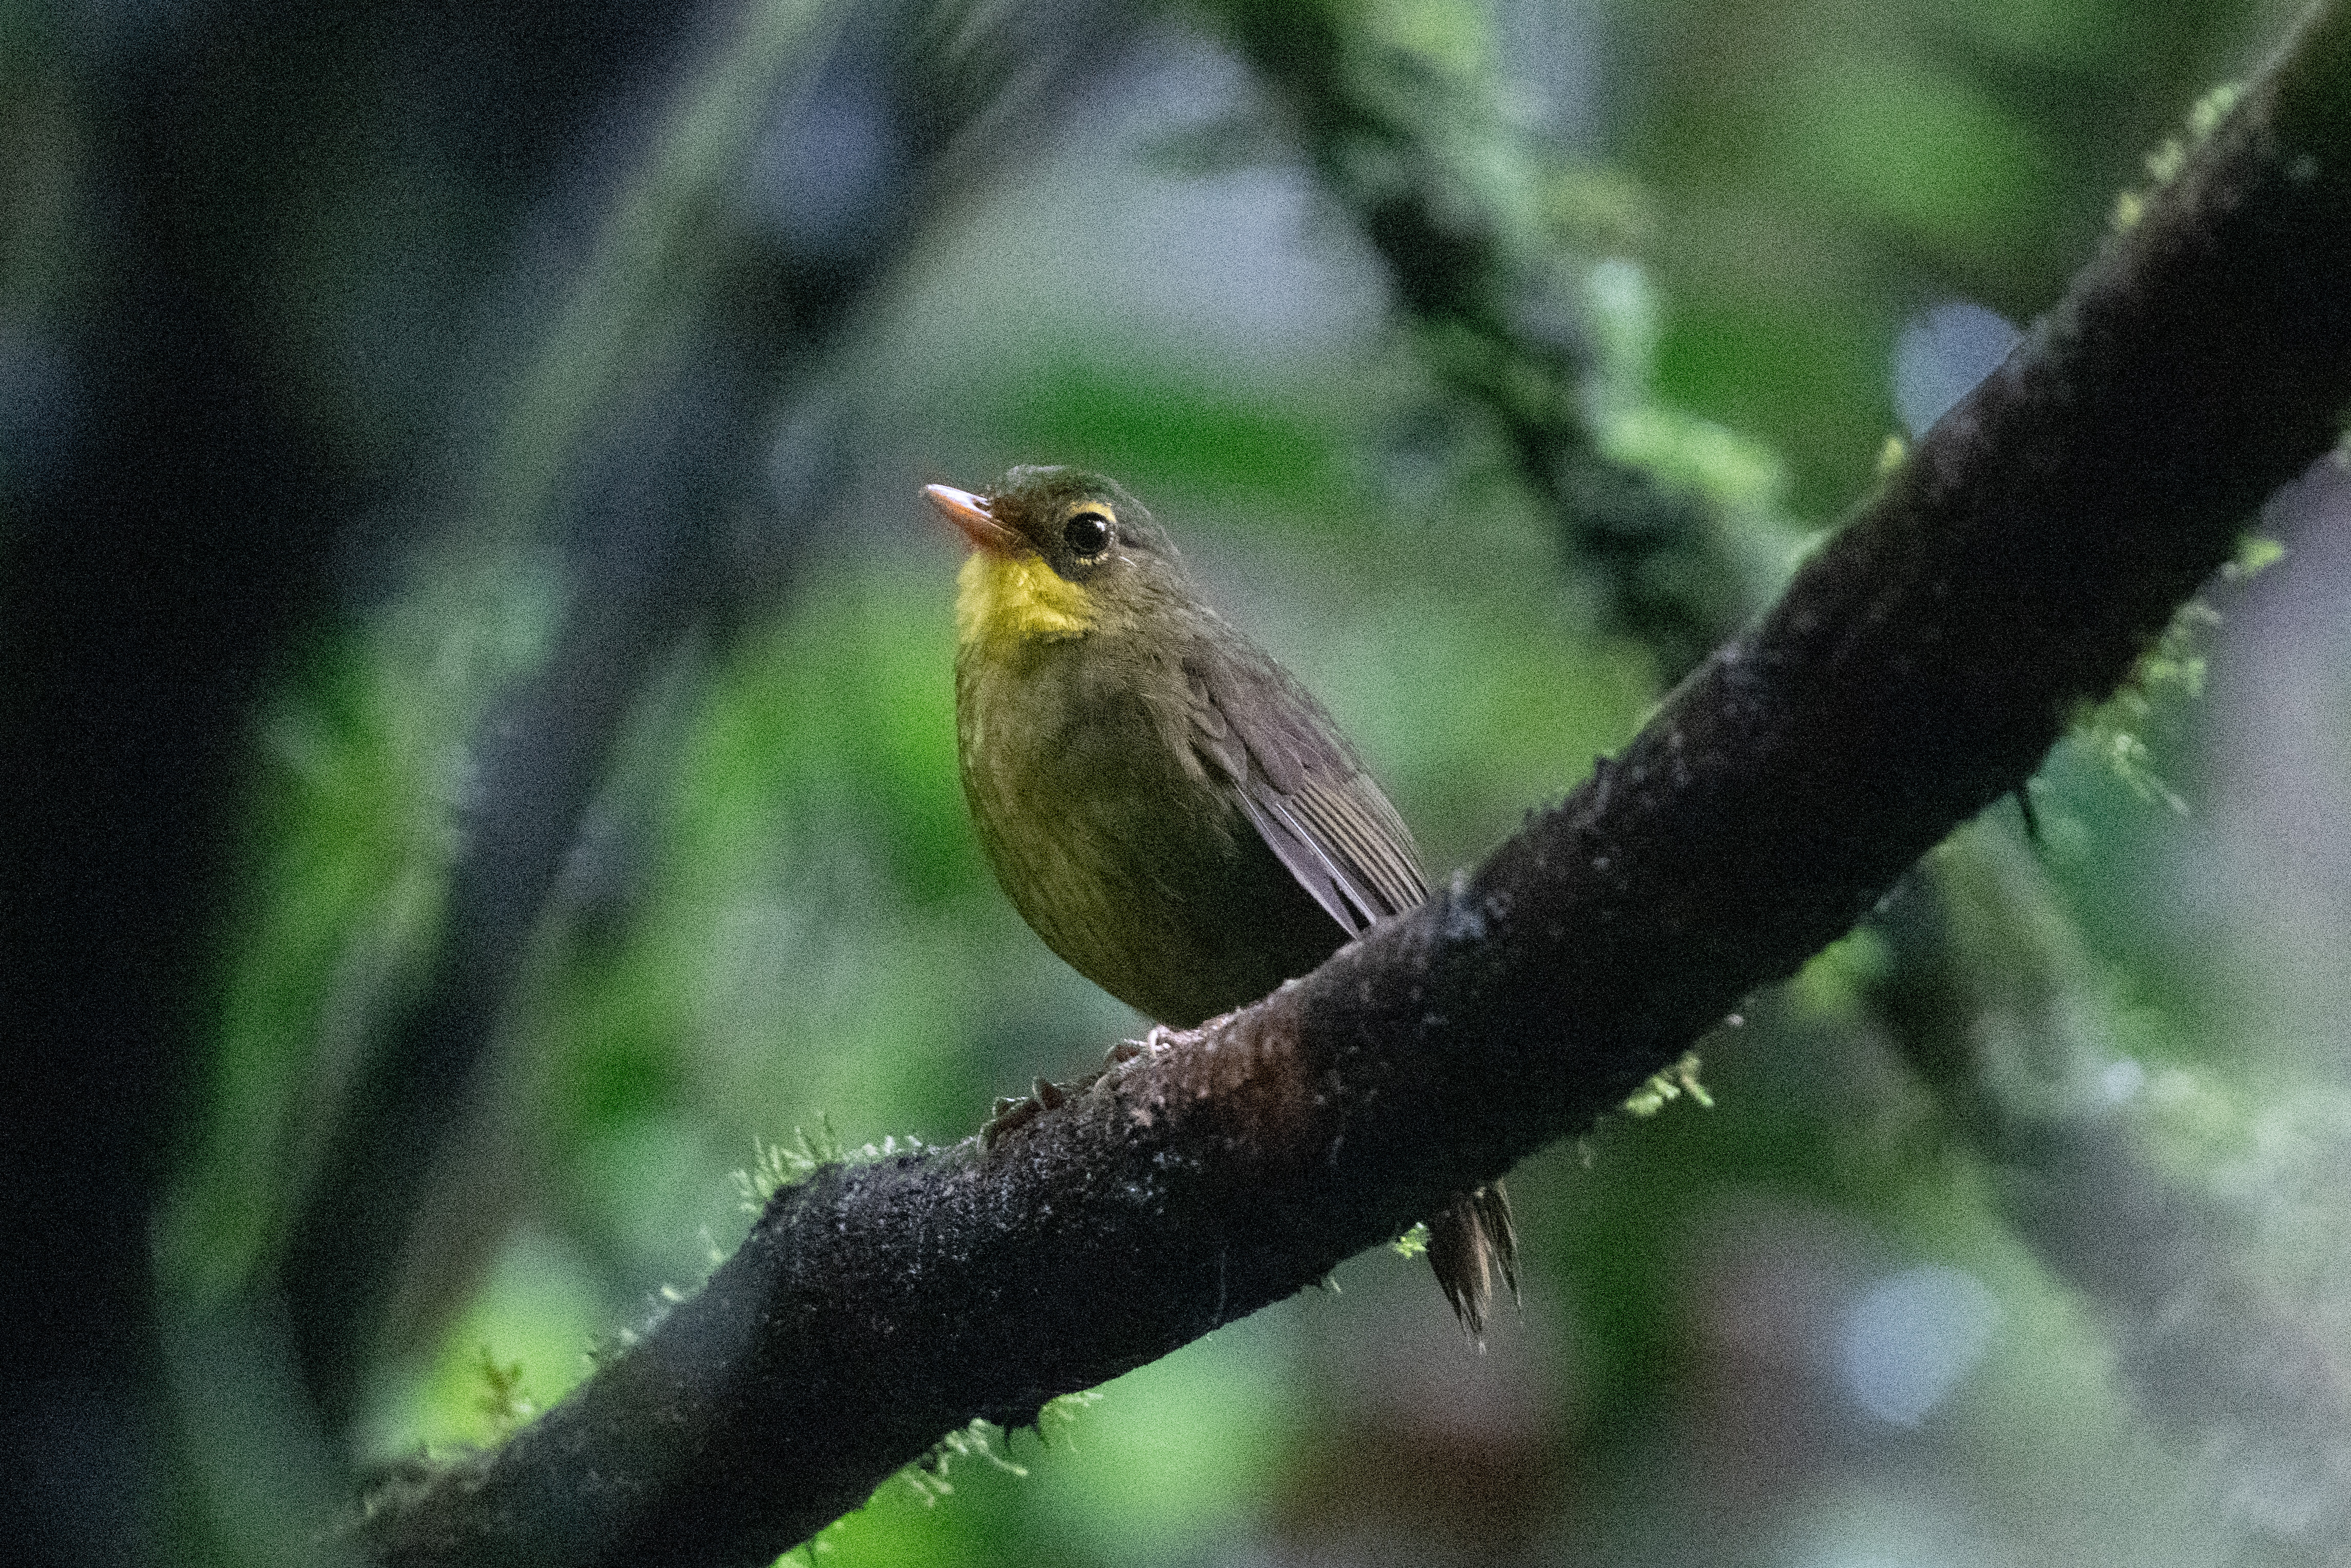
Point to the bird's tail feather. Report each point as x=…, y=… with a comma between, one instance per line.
x=1471, y=1241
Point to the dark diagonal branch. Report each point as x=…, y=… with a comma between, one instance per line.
x=1917, y=668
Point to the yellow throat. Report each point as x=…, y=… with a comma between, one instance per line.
x=1006, y=600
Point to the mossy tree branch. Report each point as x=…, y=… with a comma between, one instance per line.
x=1461, y=207
x=1917, y=669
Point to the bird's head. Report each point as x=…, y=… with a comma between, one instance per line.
x=1057, y=553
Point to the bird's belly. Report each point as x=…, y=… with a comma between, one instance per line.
x=1125, y=856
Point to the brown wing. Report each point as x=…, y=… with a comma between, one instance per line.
x=1326, y=821
x=1302, y=789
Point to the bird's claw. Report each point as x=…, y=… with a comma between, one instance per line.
x=1012, y=1114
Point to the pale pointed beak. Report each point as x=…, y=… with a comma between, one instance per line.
x=969, y=513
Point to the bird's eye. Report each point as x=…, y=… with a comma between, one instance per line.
x=1087, y=534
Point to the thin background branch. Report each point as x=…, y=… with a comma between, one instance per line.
x=1462, y=210
x=708, y=306
x=162, y=561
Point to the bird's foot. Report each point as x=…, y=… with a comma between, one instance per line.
x=1125, y=1051
x=1011, y=1113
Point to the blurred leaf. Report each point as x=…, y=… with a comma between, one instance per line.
x=1923, y=151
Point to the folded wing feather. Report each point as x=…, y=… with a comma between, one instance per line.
x=1303, y=790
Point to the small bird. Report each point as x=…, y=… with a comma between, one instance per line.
x=1165, y=805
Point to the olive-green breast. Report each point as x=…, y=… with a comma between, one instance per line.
x=1174, y=815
